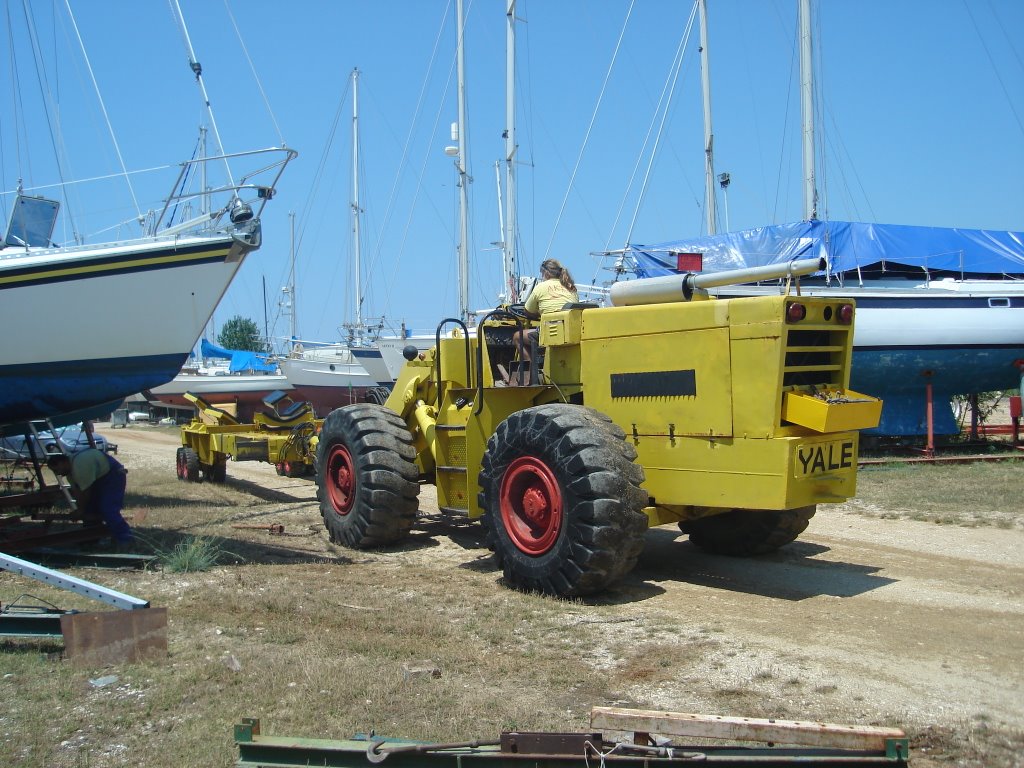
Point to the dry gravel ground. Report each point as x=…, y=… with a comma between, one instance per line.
x=863, y=620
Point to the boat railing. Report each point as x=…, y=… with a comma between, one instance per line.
x=241, y=201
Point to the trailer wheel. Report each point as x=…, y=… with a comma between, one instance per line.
x=216, y=472
x=189, y=465
x=745, y=532
x=294, y=469
x=562, y=499
x=366, y=476
x=179, y=464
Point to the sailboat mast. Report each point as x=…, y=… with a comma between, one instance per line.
x=463, y=175
x=807, y=112
x=509, y=237
x=710, y=208
x=357, y=256
x=294, y=329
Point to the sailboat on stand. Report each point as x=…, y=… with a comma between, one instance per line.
x=122, y=316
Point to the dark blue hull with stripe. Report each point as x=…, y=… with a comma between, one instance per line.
x=64, y=391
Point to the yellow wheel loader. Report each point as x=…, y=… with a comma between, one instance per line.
x=730, y=417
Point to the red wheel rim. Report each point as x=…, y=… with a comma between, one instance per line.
x=531, y=505
x=181, y=465
x=341, y=479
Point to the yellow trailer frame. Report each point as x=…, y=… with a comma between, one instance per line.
x=284, y=437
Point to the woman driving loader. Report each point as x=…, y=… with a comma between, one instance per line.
x=554, y=291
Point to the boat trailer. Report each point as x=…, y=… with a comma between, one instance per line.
x=281, y=435
x=741, y=742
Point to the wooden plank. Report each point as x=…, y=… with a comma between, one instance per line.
x=794, y=732
x=113, y=637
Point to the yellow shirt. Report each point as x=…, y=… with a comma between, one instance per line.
x=88, y=467
x=549, y=296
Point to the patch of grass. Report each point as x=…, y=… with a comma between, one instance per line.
x=191, y=554
x=979, y=494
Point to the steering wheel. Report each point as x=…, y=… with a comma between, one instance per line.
x=518, y=311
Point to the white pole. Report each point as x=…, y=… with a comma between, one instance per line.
x=291, y=276
x=807, y=112
x=503, y=294
x=463, y=175
x=709, y=138
x=355, y=203
x=509, y=238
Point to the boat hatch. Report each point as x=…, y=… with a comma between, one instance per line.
x=32, y=222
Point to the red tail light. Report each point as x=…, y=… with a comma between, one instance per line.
x=845, y=314
x=795, y=312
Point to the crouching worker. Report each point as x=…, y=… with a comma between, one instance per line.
x=98, y=483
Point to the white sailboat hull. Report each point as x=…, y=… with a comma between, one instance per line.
x=87, y=326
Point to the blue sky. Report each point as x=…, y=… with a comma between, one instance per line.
x=922, y=122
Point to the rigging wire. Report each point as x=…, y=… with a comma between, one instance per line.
x=995, y=69
x=103, y=108
x=661, y=129
x=256, y=77
x=18, y=107
x=197, y=68
x=662, y=108
x=840, y=153
x=314, y=188
x=426, y=157
x=785, y=122
x=1009, y=41
x=102, y=177
x=590, y=128
x=389, y=206
x=47, y=98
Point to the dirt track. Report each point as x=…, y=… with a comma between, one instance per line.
x=860, y=620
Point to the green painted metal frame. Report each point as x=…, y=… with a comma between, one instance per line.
x=283, y=752
x=32, y=624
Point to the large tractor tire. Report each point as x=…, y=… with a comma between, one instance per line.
x=562, y=499
x=366, y=476
x=187, y=465
x=378, y=395
x=745, y=532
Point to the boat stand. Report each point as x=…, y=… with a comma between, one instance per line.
x=39, y=523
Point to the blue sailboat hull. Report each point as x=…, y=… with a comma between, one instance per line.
x=57, y=391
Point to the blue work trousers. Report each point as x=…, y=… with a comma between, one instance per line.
x=107, y=499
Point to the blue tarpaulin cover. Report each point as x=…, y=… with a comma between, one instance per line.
x=848, y=246
x=240, y=361
x=209, y=349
